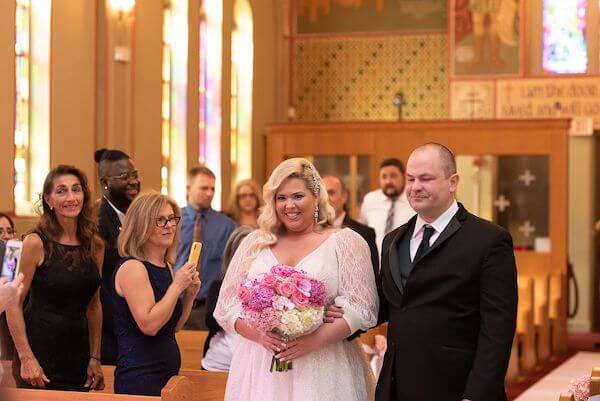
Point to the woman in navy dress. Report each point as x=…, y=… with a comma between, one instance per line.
x=146, y=303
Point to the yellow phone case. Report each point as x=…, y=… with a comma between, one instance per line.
x=195, y=251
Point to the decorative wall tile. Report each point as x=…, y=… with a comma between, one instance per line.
x=357, y=78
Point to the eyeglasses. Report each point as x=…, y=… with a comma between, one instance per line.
x=246, y=196
x=125, y=175
x=8, y=231
x=162, y=221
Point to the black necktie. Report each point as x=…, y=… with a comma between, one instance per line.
x=424, y=245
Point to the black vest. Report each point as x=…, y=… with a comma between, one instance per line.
x=405, y=265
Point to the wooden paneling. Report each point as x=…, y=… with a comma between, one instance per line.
x=498, y=137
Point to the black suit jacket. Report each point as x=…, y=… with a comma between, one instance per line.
x=451, y=329
x=368, y=234
x=109, y=227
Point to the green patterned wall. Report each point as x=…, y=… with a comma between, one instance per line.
x=357, y=78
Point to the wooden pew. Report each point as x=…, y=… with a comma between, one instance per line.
x=566, y=397
x=513, y=371
x=541, y=316
x=208, y=386
x=212, y=384
x=178, y=388
x=558, y=312
x=191, y=346
x=525, y=325
x=368, y=338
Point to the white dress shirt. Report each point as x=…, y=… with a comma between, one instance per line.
x=119, y=213
x=339, y=220
x=374, y=212
x=438, y=225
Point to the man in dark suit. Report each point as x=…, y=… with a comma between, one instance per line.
x=338, y=196
x=120, y=185
x=448, y=289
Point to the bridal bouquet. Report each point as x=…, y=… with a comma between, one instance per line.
x=285, y=301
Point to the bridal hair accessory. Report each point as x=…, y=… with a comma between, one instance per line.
x=315, y=179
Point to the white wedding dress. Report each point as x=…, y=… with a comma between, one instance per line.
x=337, y=371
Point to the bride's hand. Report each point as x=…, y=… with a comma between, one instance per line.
x=333, y=312
x=271, y=341
x=299, y=347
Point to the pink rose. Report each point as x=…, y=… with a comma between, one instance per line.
x=244, y=293
x=284, y=288
x=299, y=299
x=282, y=270
x=269, y=280
x=303, y=285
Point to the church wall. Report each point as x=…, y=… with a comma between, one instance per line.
x=341, y=75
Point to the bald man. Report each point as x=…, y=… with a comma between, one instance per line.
x=448, y=289
x=338, y=196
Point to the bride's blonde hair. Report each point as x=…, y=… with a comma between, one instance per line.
x=300, y=168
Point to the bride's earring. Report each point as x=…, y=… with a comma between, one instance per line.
x=317, y=214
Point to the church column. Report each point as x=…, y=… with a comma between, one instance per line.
x=7, y=104
x=72, y=85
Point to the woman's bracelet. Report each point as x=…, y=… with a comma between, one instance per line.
x=96, y=358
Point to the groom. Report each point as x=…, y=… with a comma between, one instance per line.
x=448, y=288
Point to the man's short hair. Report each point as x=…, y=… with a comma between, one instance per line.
x=343, y=187
x=447, y=159
x=392, y=161
x=104, y=157
x=195, y=171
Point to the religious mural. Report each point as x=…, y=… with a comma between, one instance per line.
x=346, y=16
x=485, y=37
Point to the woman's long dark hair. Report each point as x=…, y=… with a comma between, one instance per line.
x=48, y=227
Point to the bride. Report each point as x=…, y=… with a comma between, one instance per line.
x=296, y=230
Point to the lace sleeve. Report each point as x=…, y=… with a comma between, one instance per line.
x=358, y=290
x=228, y=308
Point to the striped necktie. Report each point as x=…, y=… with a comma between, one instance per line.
x=389, y=221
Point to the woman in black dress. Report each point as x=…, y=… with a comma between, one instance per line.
x=57, y=335
x=146, y=305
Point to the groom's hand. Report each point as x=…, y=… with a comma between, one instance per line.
x=333, y=312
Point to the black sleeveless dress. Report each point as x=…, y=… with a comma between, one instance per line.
x=55, y=317
x=145, y=363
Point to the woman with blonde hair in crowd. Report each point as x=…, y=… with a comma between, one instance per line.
x=296, y=230
x=57, y=335
x=145, y=295
x=245, y=203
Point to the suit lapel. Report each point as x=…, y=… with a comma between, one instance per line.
x=394, y=262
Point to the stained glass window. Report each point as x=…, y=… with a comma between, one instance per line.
x=174, y=105
x=209, y=125
x=32, y=106
x=242, y=58
x=564, y=36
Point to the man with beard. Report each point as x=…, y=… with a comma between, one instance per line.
x=120, y=185
x=387, y=208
